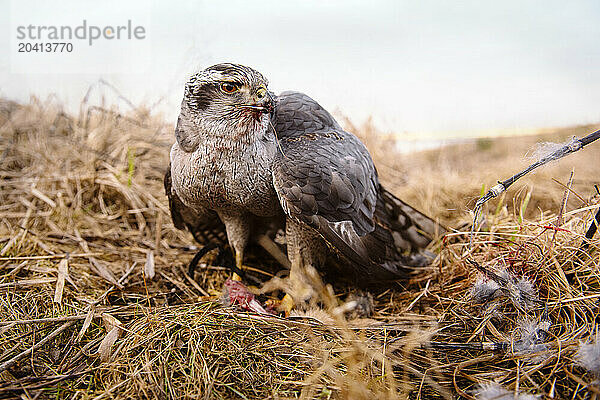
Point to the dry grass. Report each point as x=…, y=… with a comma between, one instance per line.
x=82, y=211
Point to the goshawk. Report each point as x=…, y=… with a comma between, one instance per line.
x=245, y=160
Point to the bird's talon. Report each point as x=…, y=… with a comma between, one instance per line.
x=236, y=277
x=286, y=305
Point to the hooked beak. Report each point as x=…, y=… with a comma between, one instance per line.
x=260, y=108
x=265, y=107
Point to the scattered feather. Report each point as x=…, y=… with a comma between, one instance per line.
x=548, y=149
x=529, y=337
x=588, y=356
x=113, y=327
x=105, y=347
x=493, y=284
x=359, y=304
x=149, y=266
x=523, y=293
x=86, y=323
x=485, y=290
x=63, y=272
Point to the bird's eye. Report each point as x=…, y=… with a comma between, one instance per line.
x=228, y=87
x=261, y=92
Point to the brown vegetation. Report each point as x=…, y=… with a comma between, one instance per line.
x=84, y=225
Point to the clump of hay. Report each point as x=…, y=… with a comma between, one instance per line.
x=95, y=301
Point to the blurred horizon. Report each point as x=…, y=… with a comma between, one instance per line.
x=422, y=70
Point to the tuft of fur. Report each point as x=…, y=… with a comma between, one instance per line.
x=588, y=356
x=362, y=305
x=493, y=284
x=529, y=337
x=493, y=391
x=523, y=293
x=485, y=290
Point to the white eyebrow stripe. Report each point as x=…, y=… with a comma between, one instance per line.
x=246, y=76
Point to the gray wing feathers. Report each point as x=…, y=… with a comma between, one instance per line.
x=325, y=176
x=414, y=226
x=326, y=179
x=298, y=114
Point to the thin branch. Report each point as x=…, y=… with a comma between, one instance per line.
x=571, y=147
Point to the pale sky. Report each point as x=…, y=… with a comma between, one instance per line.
x=422, y=67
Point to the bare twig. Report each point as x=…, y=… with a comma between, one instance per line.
x=571, y=147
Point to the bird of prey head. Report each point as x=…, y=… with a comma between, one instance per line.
x=229, y=101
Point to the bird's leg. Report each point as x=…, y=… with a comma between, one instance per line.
x=304, y=251
x=239, y=259
x=287, y=303
x=299, y=289
x=224, y=258
x=238, y=232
